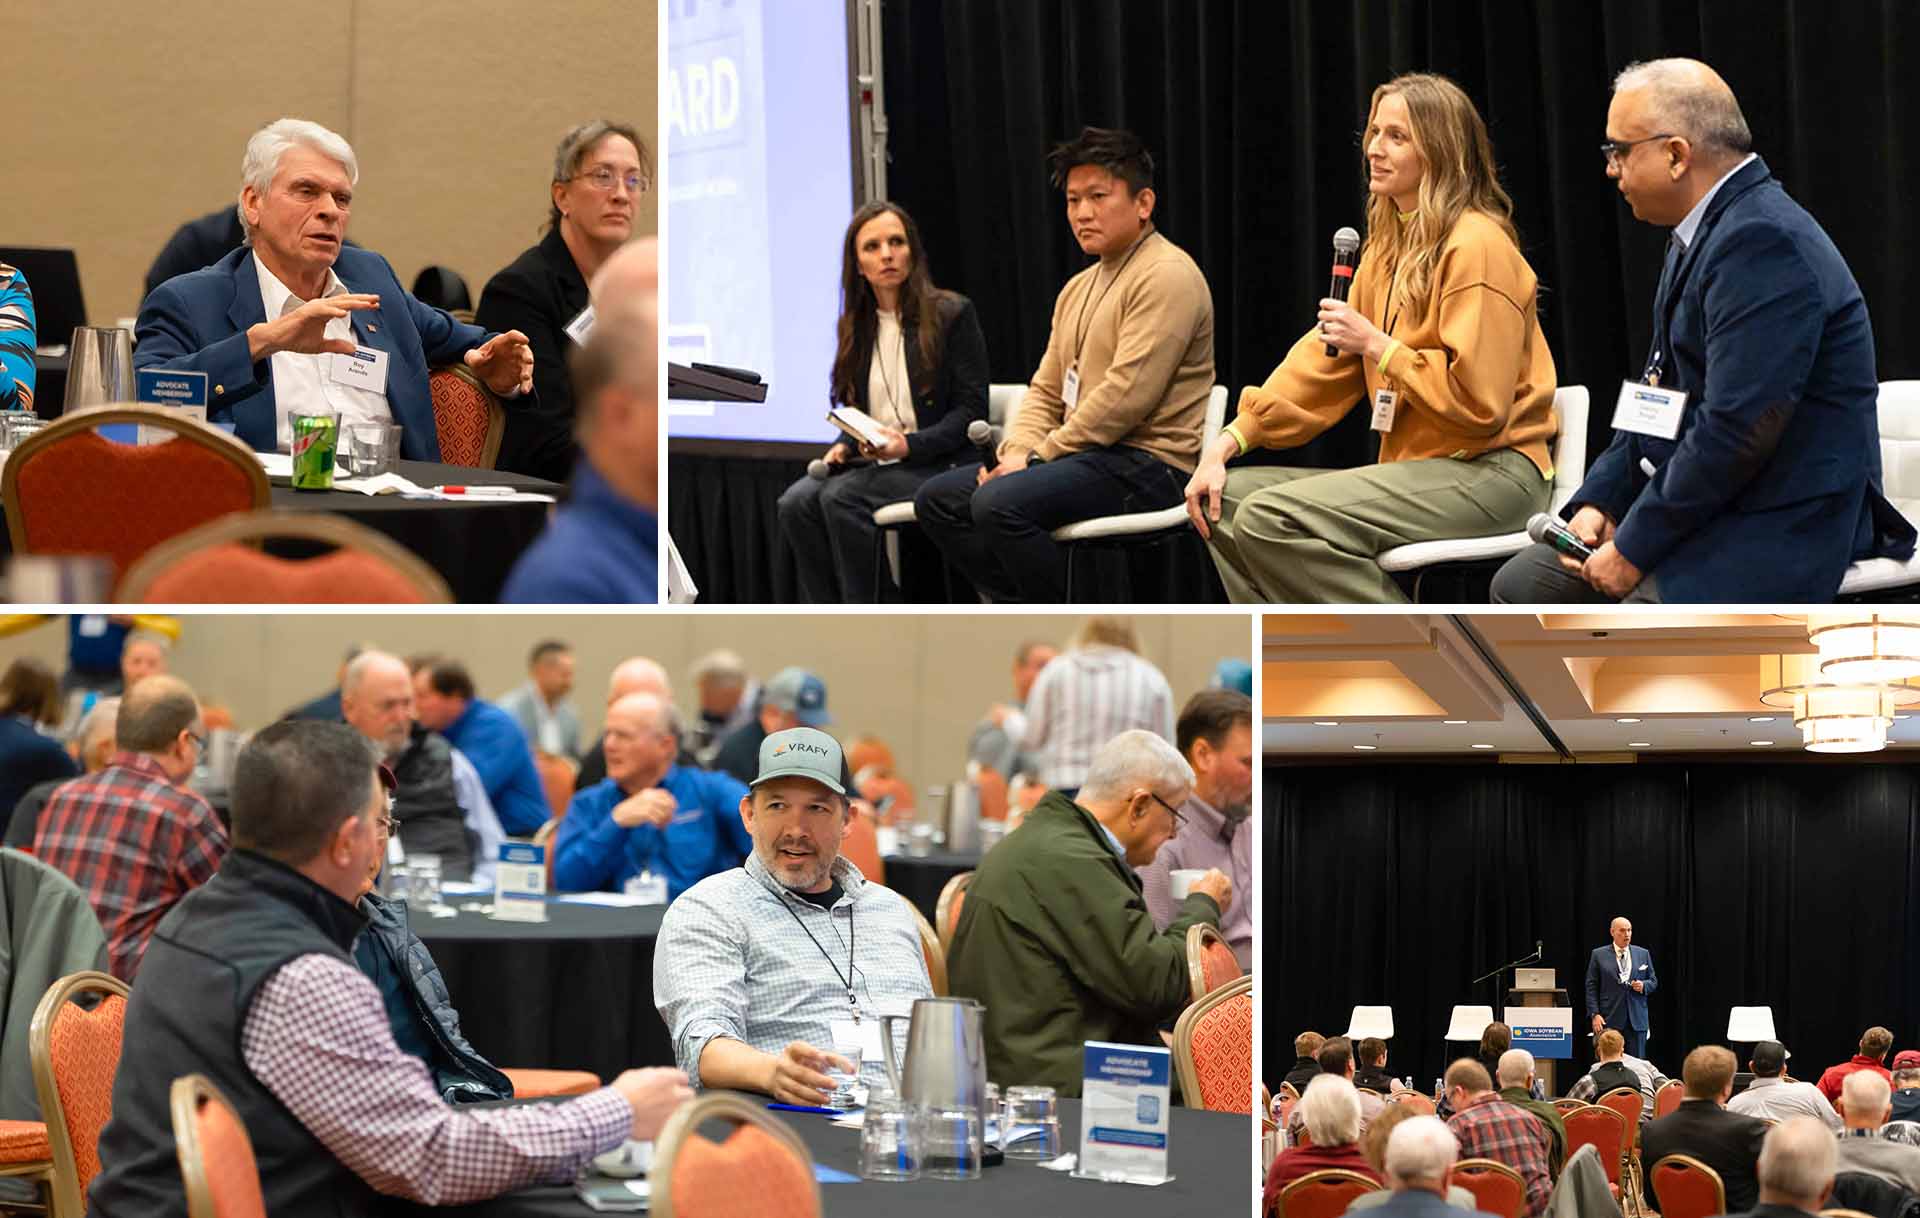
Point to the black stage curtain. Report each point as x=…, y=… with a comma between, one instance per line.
x=1787, y=885
x=1253, y=109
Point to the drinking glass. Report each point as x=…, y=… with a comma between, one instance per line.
x=845, y=1083
x=890, y=1139
x=1033, y=1123
x=952, y=1145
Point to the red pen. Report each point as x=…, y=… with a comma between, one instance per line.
x=475, y=490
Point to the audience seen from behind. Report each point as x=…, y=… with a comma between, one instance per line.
x=1335, y=1056
x=1373, y=1144
x=1702, y=1127
x=1618, y=1068
x=1874, y=1043
x=1866, y=1101
x=1305, y=1068
x=30, y=704
x=1489, y=1127
x=1099, y=687
x=1420, y=1156
x=1798, y=1162
x=1516, y=1080
x=1772, y=1096
x=1330, y=1113
x=1906, y=1085
x=94, y=743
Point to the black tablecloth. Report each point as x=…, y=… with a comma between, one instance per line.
x=1212, y=1159
x=921, y=879
x=572, y=993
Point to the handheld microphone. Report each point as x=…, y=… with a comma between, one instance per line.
x=1539, y=948
x=820, y=471
x=980, y=434
x=1549, y=529
x=1346, y=250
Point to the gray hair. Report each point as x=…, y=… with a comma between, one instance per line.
x=1798, y=1156
x=1686, y=99
x=153, y=638
x=98, y=721
x=1331, y=1110
x=1420, y=1150
x=575, y=145
x=1135, y=758
x=1865, y=1093
x=723, y=666
x=1515, y=1066
x=273, y=141
x=358, y=666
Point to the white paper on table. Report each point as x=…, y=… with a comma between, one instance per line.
x=280, y=465
x=465, y=888
x=616, y=900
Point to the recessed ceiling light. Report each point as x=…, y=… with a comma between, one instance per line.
x=1639, y=744
x=1759, y=718
x=1482, y=746
x=1453, y=722
x=1368, y=748
x=1628, y=719
x=1326, y=723
x=1760, y=743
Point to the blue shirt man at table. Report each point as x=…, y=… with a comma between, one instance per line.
x=649, y=814
x=443, y=698
x=603, y=546
x=292, y=323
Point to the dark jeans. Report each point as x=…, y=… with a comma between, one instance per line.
x=830, y=527
x=998, y=534
x=1534, y=576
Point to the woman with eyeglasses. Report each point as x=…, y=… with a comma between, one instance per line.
x=1439, y=341
x=600, y=170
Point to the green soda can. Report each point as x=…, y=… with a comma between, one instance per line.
x=315, y=436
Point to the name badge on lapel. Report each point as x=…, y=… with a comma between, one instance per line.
x=1385, y=403
x=581, y=326
x=1649, y=410
x=364, y=369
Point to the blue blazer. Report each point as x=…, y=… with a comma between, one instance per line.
x=1607, y=997
x=198, y=322
x=1773, y=484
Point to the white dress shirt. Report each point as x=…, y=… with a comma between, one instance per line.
x=1691, y=225
x=301, y=384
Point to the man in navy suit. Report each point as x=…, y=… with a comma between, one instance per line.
x=1763, y=484
x=1619, y=978
x=292, y=323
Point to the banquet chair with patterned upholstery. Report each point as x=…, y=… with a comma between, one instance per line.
x=932, y=949
x=1324, y=1194
x=532, y=1084
x=1496, y=1188
x=1629, y=1103
x=70, y=491
x=75, y=1054
x=1603, y=1128
x=1688, y=1188
x=220, y=563
x=26, y=1155
x=558, y=776
x=1566, y=1104
x=216, y=1157
x=946, y=911
x=468, y=418
x=861, y=847
x=761, y=1167
x=1667, y=1098
x=1210, y=962
x=1213, y=1049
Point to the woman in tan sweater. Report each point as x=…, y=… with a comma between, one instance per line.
x=1441, y=339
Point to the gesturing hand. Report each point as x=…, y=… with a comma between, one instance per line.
x=304, y=331
x=504, y=362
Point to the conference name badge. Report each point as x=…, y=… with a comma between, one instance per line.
x=1385, y=403
x=1649, y=410
x=1070, y=388
x=581, y=326
x=364, y=369
x=865, y=1033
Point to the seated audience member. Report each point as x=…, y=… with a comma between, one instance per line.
x=911, y=358
x=96, y=643
x=1215, y=735
x=29, y=702
x=1906, y=1086
x=1798, y=1163
x=792, y=698
x=1305, y=1068
x=750, y=975
x=197, y=243
x=602, y=545
x=143, y=655
x=541, y=706
x=601, y=170
x=1771, y=1096
x=326, y=707
x=1441, y=337
x=376, y=698
x=1493, y=1128
x=445, y=701
x=649, y=814
x=1331, y=1111
x=1516, y=1081
x=1865, y=1104
x=1111, y=421
x=728, y=695
x=134, y=836
x=1370, y=1067
x=420, y=1013
x=1055, y=937
x=251, y=982
x=94, y=739
x=17, y=339
x=1336, y=1057
x=633, y=675
x=1099, y=687
x=1420, y=1155
x=1702, y=1127
x=263, y=322
x=1617, y=1068
x=995, y=741
x=1373, y=1144
x=1874, y=1043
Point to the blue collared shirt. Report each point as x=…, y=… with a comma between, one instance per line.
x=705, y=836
x=1691, y=225
x=493, y=742
x=600, y=549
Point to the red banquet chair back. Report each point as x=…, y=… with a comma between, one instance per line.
x=1496, y=1188
x=216, y=1157
x=1324, y=1194
x=1668, y=1098
x=1688, y=1188
x=219, y=563
x=761, y=1167
x=468, y=419
x=1210, y=962
x=1602, y=1128
x=1628, y=1102
x=1213, y=1049
x=946, y=911
x=75, y=1053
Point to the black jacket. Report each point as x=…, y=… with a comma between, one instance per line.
x=958, y=394
x=429, y=814
x=1725, y=1141
x=538, y=293
x=461, y=1074
x=197, y=244
x=27, y=759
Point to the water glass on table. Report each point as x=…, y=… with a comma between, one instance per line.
x=846, y=1084
x=952, y=1146
x=890, y=1139
x=1035, y=1113
x=373, y=449
x=424, y=894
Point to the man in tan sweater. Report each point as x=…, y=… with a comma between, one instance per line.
x=1111, y=421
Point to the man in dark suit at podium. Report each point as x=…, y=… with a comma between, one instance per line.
x=1619, y=978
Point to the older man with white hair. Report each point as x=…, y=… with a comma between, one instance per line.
x=1330, y=1114
x=1056, y=938
x=1866, y=1100
x=294, y=322
x=1797, y=1168
x=1421, y=1153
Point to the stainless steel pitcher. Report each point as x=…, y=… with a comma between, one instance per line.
x=946, y=1064
x=99, y=368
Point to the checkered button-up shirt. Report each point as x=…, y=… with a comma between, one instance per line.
x=740, y=956
x=135, y=843
x=1083, y=699
x=317, y=1037
x=1491, y=1128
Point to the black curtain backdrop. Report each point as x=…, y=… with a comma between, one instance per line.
x=1788, y=885
x=1253, y=109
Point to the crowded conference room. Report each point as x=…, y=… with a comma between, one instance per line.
x=340, y=330
x=550, y=915
x=1297, y=302
x=1622, y=913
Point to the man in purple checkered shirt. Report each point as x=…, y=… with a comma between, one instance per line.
x=1492, y=1128
x=249, y=981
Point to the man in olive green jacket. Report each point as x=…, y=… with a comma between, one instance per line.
x=1054, y=936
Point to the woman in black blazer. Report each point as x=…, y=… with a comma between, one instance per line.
x=600, y=171
x=913, y=358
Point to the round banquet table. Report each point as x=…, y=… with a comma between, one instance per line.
x=572, y=993
x=921, y=879
x=1212, y=1163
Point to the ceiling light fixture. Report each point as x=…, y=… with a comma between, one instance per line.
x=1326, y=723
x=1366, y=747
x=1639, y=744
x=1759, y=718
x=1833, y=716
x=1865, y=646
x=1628, y=719
x=1454, y=722
x=1482, y=746
x=1760, y=743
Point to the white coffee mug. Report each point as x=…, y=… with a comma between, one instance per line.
x=1181, y=882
